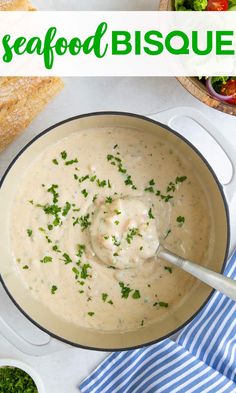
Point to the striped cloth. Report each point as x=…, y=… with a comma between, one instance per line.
x=202, y=360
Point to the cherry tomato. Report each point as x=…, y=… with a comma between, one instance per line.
x=229, y=89
x=217, y=5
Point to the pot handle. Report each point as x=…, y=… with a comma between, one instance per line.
x=167, y=116
x=27, y=347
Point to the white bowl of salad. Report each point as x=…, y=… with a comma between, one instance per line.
x=217, y=92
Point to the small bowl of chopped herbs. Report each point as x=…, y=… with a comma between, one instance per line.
x=216, y=92
x=18, y=377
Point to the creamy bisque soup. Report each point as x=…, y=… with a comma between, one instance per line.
x=87, y=221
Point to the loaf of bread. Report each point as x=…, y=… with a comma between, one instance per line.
x=16, y=5
x=21, y=99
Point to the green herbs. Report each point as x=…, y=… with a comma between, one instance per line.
x=108, y=200
x=136, y=294
x=150, y=214
x=66, y=258
x=46, y=259
x=29, y=232
x=105, y=299
x=53, y=289
x=116, y=161
x=171, y=188
x=84, y=271
x=131, y=233
x=115, y=241
x=180, y=220
x=26, y=267
x=15, y=380
x=66, y=209
x=101, y=183
x=168, y=268
x=161, y=304
x=70, y=162
x=83, y=221
x=91, y=314
x=84, y=192
x=53, y=191
x=81, y=249
x=126, y=290
x=64, y=155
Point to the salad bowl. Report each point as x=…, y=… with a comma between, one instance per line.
x=204, y=90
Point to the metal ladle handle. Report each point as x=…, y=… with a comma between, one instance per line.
x=216, y=280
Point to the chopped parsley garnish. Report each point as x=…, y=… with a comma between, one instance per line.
x=108, y=200
x=83, y=178
x=56, y=248
x=106, y=237
x=161, y=304
x=150, y=214
x=180, y=220
x=104, y=297
x=90, y=313
x=116, y=161
x=131, y=233
x=136, y=294
x=53, y=191
x=67, y=259
x=171, y=187
x=149, y=189
x=25, y=267
x=95, y=197
x=70, y=162
x=84, y=222
x=53, y=289
x=115, y=241
x=55, y=161
x=118, y=212
x=126, y=290
x=142, y=323
x=152, y=182
x=46, y=259
x=168, y=268
x=66, y=209
x=84, y=271
x=13, y=379
x=50, y=227
x=116, y=222
x=180, y=179
x=101, y=183
x=81, y=250
x=84, y=192
x=29, y=232
x=64, y=155
x=114, y=147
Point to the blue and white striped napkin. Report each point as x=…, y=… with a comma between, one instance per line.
x=202, y=360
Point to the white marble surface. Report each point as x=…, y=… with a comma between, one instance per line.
x=62, y=371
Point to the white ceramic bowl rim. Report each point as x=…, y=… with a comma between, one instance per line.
x=25, y=367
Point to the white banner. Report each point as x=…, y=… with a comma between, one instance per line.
x=117, y=43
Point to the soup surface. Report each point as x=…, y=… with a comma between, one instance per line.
x=88, y=218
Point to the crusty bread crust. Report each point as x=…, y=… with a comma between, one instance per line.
x=16, y=5
x=21, y=99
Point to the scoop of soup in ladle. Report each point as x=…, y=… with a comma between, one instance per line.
x=124, y=235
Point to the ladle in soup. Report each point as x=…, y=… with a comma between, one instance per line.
x=124, y=235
